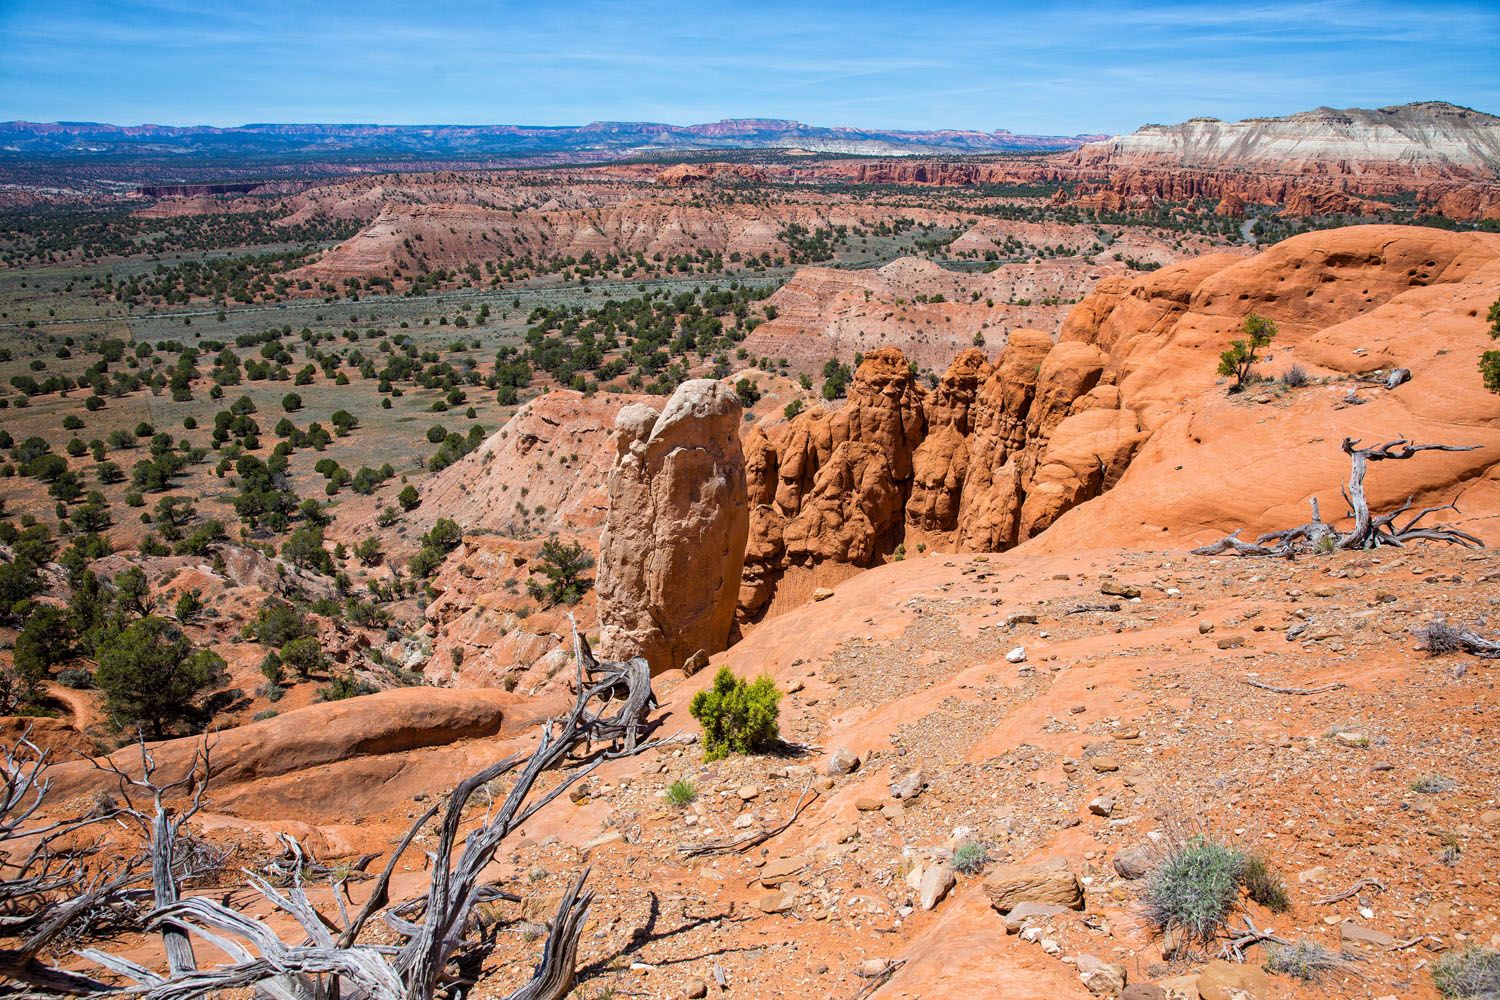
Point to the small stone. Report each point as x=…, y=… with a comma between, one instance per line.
x=695, y=989
x=867, y=803
x=1127, y=733
x=935, y=884
x=1104, y=765
x=774, y=902
x=1180, y=987
x=909, y=786
x=822, y=594
x=841, y=761
x=695, y=663
x=1205, y=627
x=1134, y=862
x=1102, y=806
x=844, y=834
x=1231, y=642
x=1102, y=978
x=748, y=793
x=1353, y=935
x=872, y=967
x=1116, y=589
x=1021, y=912
x=1143, y=991
x=1017, y=655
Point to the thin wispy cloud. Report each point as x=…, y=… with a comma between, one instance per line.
x=1103, y=65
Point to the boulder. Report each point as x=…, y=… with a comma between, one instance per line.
x=1043, y=882
x=1134, y=862
x=935, y=884
x=1104, y=979
x=673, y=546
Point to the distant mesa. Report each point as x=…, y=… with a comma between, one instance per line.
x=612, y=139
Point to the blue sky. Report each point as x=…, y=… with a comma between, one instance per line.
x=1029, y=67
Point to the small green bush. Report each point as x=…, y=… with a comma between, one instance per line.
x=681, y=792
x=1194, y=888
x=1471, y=974
x=970, y=859
x=737, y=717
x=1264, y=884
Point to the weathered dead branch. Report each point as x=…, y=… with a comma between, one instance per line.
x=875, y=980
x=1353, y=890
x=49, y=892
x=1275, y=689
x=611, y=710
x=1234, y=948
x=1368, y=530
x=755, y=839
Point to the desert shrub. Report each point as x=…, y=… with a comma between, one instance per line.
x=737, y=717
x=970, y=859
x=1431, y=784
x=1238, y=361
x=681, y=792
x=563, y=566
x=1489, y=361
x=304, y=655
x=272, y=669
x=344, y=686
x=1470, y=974
x=1304, y=959
x=1438, y=637
x=1295, y=377
x=408, y=498
x=1264, y=884
x=264, y=714
x=1193, y=889
x=189, y=607
x=276, y=624
x=77, y=678
x=152, y=676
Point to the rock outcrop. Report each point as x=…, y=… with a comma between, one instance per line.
x=674, y=539
x=1000, y=449
x=991, y=456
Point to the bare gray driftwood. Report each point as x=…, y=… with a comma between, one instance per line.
x=330, y=963
x=1368, y=530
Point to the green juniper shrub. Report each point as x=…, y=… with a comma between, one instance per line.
x=737, y=717
x=305, y=656
x=344, y=686
x=152, y=676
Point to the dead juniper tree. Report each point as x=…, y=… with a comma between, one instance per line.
x=49, y=890
x=1369, y=530
x=329, y=962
